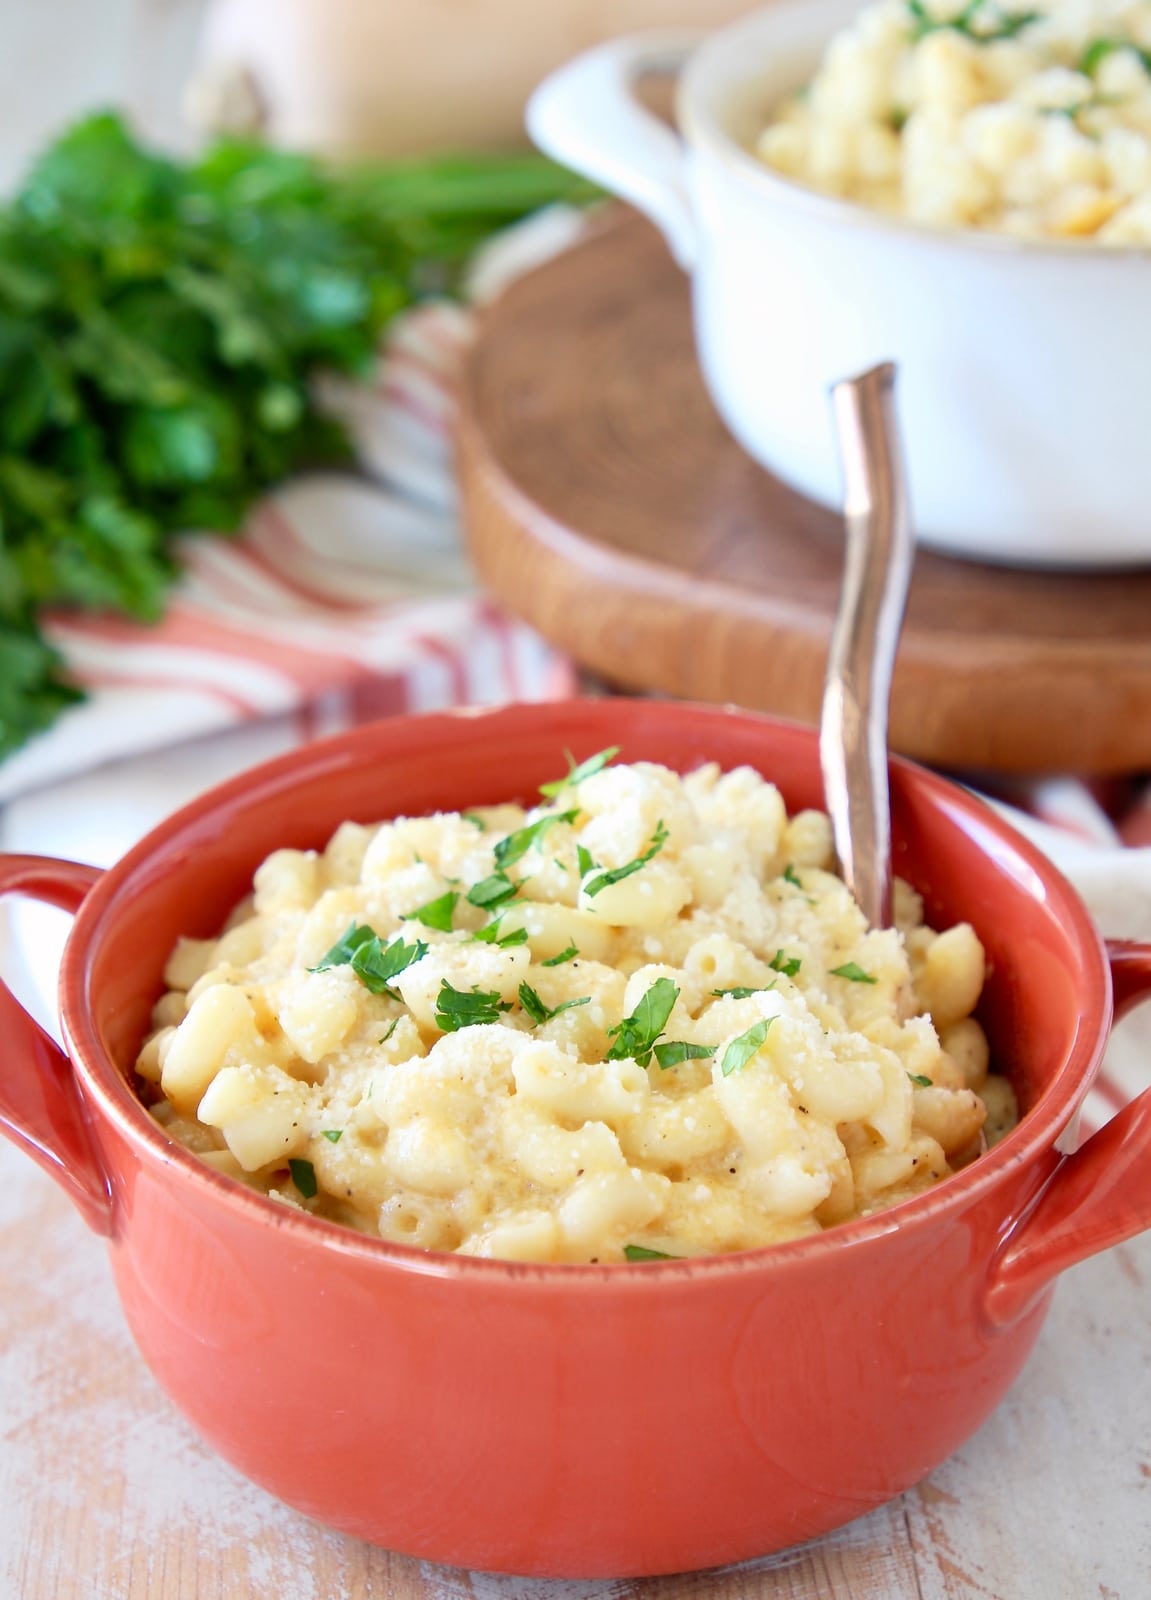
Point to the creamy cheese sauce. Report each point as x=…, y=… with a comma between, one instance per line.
x=1034, y=122
x=645, y=1018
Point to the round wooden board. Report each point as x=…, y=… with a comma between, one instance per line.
x=606, y=504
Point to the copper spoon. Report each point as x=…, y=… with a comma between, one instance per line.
x=877, y=572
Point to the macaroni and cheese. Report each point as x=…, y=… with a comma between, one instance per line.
x=642, y=1019
x=1026, y=117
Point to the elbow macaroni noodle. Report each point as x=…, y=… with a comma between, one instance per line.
x=675, y=1037
x=1034, y=122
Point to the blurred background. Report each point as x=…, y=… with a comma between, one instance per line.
x=59, y=58
x=350, y=76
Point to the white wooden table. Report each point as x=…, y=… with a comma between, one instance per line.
x=106, y=1494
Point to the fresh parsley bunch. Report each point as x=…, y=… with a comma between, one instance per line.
x=160, y=323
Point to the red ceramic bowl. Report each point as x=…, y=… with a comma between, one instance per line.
x=577, y=1420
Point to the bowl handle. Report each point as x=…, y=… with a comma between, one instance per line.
x=40, y=1107
x=587, y=116
x=1091, y=1200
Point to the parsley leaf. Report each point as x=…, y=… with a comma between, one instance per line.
x=376, y=964
x=791, y=876
x=635, y=1036
x=384, y=1037
x=536, y=1009
x=678, y=1050
x=517, y=844
x=741, y=1049
x=505, y=941
x=493, y=891
x=341, y=953
x=788, y=965
x=971, y=21
x=920, y=1080
x=1009, y=25
x=304, y=1177
x=373, y=962
x=641, y=1252
x=456, y=1009
x=334, y=1134
x=475, y=819
x=586, y=769
x=569, y=954
x=853, y=972
x=586, y=861
x=618, y=874
x=1099, y=49
x=741, y=992
x=437, y=913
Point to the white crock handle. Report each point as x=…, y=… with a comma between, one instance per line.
x=587, y=116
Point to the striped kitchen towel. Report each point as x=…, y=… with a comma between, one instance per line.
x=1100, y=838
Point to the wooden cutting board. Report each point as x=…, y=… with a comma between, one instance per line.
x=606, y=504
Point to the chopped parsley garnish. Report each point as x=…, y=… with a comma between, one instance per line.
x=641, y=1252
x=475, y=819
x=341, y=953
x=1009, y=25
x=569, y=954
x=971, y=21
x=334, y=1134
x=456, y=1009
x=372, y=961
x=376, y=964
x=792, y=876
x=1074, y=112
x=384, y=1037
x=920, y=1080
x=304, y=1177
x=536, y=1009
x=491, y=935
x=517, y=844
x=853, y=972
x=618, y=874
x=491, y=892
x=742, y=991
x=586, y=861
x=788, y=965
x=678, y=1050
x=1099, y=49
x=437, y=913
x=575, y=774
x=741, y=1049
x=635, y=1036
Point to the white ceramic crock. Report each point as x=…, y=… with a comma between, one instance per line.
x=1025, y=368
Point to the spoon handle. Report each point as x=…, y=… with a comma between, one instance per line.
x=877, y=572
